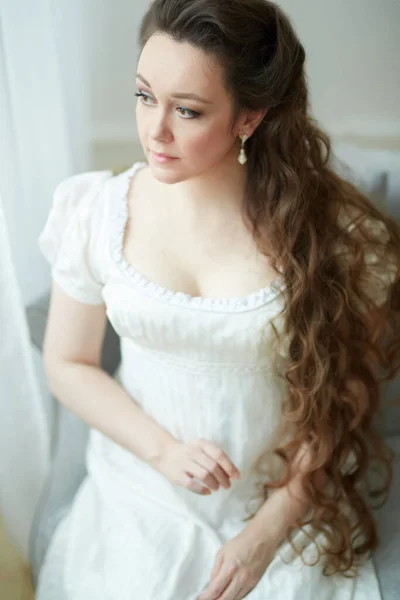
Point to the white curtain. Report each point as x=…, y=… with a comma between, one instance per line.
x=24, y=438
x=42, y=140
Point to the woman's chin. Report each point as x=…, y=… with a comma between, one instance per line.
x=164, y=175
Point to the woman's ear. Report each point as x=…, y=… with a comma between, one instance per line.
x=251, y=120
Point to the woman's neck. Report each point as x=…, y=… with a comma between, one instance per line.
x=217, y=191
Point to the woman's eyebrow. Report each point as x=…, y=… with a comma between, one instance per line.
x=187, y=96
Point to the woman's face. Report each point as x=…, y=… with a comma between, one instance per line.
x=196, y=133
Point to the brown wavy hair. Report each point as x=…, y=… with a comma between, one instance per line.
x=336, y=249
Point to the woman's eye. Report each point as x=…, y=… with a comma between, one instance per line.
x=142, y=96
x=190, y=114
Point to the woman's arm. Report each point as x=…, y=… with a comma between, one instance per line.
x=285, y=505
x=288, y=504
x=72, y=355
x=280, y=512
x=243, y=560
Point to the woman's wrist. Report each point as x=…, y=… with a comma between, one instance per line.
x=267, y=524
x=157, y=451
x=279, y=512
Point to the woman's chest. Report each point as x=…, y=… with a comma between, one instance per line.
x=184, y=330
x=214, y=259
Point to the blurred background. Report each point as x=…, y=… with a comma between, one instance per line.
x=67, y=83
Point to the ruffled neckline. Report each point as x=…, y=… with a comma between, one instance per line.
x=155, y=290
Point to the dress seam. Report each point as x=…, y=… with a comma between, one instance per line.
x=200, y=366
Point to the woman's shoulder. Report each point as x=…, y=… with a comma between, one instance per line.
x=75, y=187
x=79, y=229
x=71, y=232
x=77, y=194
x=88, y=197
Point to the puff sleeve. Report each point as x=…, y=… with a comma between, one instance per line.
x=67, y=240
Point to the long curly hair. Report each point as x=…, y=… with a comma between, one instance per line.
x=340, y=256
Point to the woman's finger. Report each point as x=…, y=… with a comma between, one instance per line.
x=233, y=592
x=220, y=457
x=213, y=468
x=217, y=567
x=201, y=473
x=189, y=482
x=217, y=586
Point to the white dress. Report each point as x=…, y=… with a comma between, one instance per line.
x=201, y=367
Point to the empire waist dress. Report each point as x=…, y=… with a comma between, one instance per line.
x=202, y=368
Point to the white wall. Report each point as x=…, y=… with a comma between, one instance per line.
x=353, y=54
x=110, y=58
x=353, y=51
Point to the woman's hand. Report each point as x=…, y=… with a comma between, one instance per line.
x=239, y=566
x=182, y=463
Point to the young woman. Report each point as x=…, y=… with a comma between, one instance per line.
x=256, y=295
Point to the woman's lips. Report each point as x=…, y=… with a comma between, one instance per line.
x=162, y=157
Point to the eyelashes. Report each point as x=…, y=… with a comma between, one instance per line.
x=192, y=114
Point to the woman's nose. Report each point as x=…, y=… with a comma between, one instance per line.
x=160, y=129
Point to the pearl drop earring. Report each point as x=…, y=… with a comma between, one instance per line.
x=242, y=158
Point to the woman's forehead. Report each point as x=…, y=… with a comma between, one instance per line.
x=173, y=66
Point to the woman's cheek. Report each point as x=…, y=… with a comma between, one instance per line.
x=206, y=145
